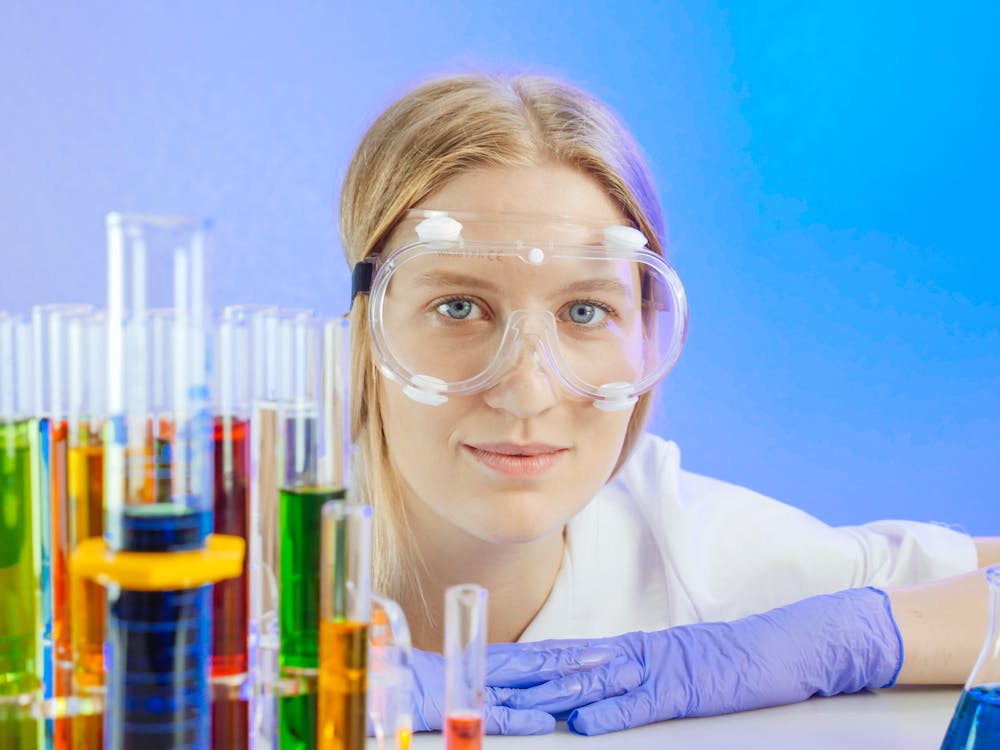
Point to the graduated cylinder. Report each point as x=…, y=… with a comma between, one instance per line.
x=20, y=553
x=345, y=578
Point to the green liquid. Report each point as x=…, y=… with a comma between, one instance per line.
x=300, y=521
x=19, y=558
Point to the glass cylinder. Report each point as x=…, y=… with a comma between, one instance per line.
x=51, y=332
x=976, y=723
x=465, y=665
x=240, y=359
x=390, y=655
x=345, y=601
x=158, y=263
x=86, y=362
x=303, y=491
x=158, y=475
x=20, y=555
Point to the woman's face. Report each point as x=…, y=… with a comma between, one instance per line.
x=515, y=462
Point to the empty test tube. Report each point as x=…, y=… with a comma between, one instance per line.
x=389, y=679
x=465, y=666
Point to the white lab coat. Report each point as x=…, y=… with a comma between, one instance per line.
x=659, y=547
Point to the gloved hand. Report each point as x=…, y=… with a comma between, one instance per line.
x=508, y=665
x=828, y=644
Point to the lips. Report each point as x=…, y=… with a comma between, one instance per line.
x=526, y=461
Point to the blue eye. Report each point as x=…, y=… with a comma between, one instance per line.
x=459, y=309
x=586, y=313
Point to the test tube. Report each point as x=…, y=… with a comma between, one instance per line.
x=389, y=680
x=345, y=578
x=158, y=488
x=86, y=361
x=303, y=491
x=263, y=541
x=20, y=555
x=240, y=361
x=465, y=666
x=51, y=329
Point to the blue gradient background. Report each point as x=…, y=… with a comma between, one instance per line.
x=828, y=169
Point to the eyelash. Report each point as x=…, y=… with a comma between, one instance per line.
x=608, y=311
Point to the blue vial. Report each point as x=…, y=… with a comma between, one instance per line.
x=976, y=723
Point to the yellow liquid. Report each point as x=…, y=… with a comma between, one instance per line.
x=343, y=678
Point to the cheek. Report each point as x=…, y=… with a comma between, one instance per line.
x=417, y=435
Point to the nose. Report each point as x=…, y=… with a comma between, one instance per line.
x=528, y=388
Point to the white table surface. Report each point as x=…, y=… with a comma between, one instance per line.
x=901, y=718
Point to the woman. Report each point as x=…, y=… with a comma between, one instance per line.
x=512, y=313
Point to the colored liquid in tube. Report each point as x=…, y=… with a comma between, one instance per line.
x=86, y=472
x=343, y=676
x=62, y=643
x=463, y=732
x=300, y=514
x=19, y=658
x=976, y=723
x=229, y=597
x=300, y=522
x=89, y=601
x=160, y=643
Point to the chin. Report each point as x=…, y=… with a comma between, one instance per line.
x=520, y=521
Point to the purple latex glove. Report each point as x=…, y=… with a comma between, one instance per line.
x=824, y=645
x=509, y=665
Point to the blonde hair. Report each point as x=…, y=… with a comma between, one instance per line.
x=435, y=132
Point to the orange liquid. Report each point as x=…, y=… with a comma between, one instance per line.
x=463, y=732
x=62, y=646
x=86, y=485
x=86, y=500
x=88, y=732
x=343, y=678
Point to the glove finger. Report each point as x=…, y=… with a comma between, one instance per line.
x=614, y=714
x=525, y=667
x=575, y=690
x=502, y=720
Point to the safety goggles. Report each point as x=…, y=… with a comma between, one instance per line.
x=463, y=299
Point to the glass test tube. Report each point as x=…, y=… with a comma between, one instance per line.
x=158, y=477
x=390, y=656
x=303, y=491
x=86, y=361
x=345, y=601
x=976, y=723
x=52, y=329
x=465, y=666
x=263, y=530
x=20, y=555
x=240, y=357
x=51, y=325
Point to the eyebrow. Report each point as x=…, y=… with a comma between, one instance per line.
x=457, y=280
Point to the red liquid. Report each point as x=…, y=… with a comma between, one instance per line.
x=463, y=733
x=229, y=597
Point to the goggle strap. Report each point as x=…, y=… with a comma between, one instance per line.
x=361, y=278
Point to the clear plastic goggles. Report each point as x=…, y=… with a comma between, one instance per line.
x=467, y=298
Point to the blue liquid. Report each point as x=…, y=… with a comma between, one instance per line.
x=160, y=643
x=976, y=723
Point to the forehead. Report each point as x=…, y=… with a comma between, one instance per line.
x=553, y=190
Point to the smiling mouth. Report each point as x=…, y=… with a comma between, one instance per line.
x=518, y=461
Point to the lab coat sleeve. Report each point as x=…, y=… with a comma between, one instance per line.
x=732, y=552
